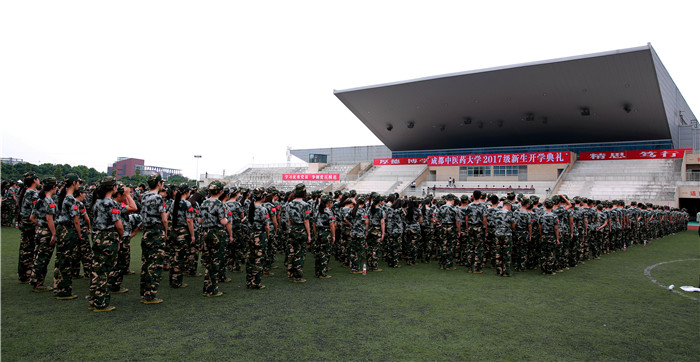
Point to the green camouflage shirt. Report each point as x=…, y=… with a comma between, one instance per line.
x=325, y=218
x=548, y=221
x=212, y=212
x=151, y=208
x=44, y=207
x=107, y=212
x=69, y=210
x=502, y=221
x=358, y=222
x=298, y=211
x=185, y=212
x=523, y=219
x=261, y=218
x=30, y=197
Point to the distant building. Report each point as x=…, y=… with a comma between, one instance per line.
x=12, y=161
x=126, y=166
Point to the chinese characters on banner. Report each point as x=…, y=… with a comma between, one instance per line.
x=311, y=177
x=533, y=158
x=633, y=155
x=400, y=161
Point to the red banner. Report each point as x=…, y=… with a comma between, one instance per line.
x=311, y=177
x=534, y=158
x=400, y=161
x=634, y=155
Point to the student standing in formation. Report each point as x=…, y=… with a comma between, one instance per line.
x=299, y=235
x=325, y=237
x=183, y=234
x=69, y=234
x=44, y=215
x=260, y=225
x=108, y=231
x=27, y=198
x=214, y=225
x=155, y=226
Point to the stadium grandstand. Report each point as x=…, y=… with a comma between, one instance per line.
x=610, y=125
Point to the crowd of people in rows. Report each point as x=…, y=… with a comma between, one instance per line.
x=228, y=229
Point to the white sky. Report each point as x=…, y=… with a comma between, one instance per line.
x=84, y=82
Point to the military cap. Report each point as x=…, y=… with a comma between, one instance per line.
x=353, y=193
x=520, y=195
x=337, y=193
x=555, y=199
x=299, y=188
x=120, y=186
x=243, y=190
x=548, y=203
x=525, y=201
x=155, y=178
x=81, y=190
x=258, y=193
x=346, y=194
x=49, y=181
x=108, y=181
x=535, y=199
x=464, y=198
x=184, y=187
x=506, y=202
x=72, y=177
x=325, y=198
x=361, y=200
x=215, y=186
x=373, y=195
x=450, y=197
x=30, y=174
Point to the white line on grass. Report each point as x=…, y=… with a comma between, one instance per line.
x=648, y=269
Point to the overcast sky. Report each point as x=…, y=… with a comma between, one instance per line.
x=85, y=82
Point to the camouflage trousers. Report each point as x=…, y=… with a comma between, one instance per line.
x=476, y=252
x=582, y=246
x=104, y=248
x=257, y=242
x=66, y=240
x=181, y=241
x=447, y=246
x=234, y=251
x=83, y=253
x=561, y=253
x=393, y=246
x=533, y=251
x=122, y=265
x=436, y=244
x=425, y=245
x=462, y=249
x=489, y=248
x=322, y=249
x=502, y=254
x=373, y=244
x=269, y=252
x=410, y=246
x=27, y=246
x=594, y=243
x=43, y=252
x=296, y=250
x=152, y=258
x=342, y=245
x=225, y=242
x=211, y=258
x=8, y=212
x=520, y=250
x=356, y=251
x=573, y=250
x=548, y=244
x=192, y=252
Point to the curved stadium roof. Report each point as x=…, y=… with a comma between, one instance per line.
x=618, y=96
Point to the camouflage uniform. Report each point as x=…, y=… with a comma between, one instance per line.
x=257, y=244
x=271, y=243
x=427, y=230
x=503, y=219
x=83, y=250
x=27, y=243
x=358, y=233
x=298, y=212
x=123, y=253
x=194, y=247
x=345, y=237
x=548, y=221
x=374, y=236
x=105, y=247
x=234, y=252
x=521, y=239
x=152, y=244
x=394, y=230
x=412, y=238
x=66, y=242
x=44, y=249
x=181, y=241
x=324, y=239
x=212, y=211
x=490, y=239
x=562, y=249
x=475, y=211
x=449, y=215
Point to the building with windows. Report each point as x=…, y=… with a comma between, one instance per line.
x=127, y=166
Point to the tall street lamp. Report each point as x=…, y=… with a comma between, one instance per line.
x=197, y=175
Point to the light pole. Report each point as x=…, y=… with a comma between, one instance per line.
x=197, y=175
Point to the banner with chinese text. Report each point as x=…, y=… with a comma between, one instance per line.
x=533, y=158
x=633, y=155
x=311, y=177
x=400, y=161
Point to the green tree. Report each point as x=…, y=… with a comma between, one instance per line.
x=58, y=172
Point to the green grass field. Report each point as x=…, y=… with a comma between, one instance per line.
x=606, y=309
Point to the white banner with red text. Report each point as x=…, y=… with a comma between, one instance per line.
x=634, y=155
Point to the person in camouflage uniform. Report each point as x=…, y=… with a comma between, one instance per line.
x=427, y=229
x=490, y=236
x=299, y=235
x=476, y=220
x=522, y=235
x=359, y=225
x=504, y=223
x=194, y=248
x=560, y=204
x=238, y=219
x=533, y=252
x=325, y=237
x=127, y=206
x=9, y=204
x=271, y=243
x=343, y=244
x=413, y=233
x=214, y=224
x=257, y=242
x=462, y=247
x=394, y=227
x=68, y=232
x=44, y=213
x=83, y=249
x=376, y=233
x=155, y=226
x=108, y=230
x=549, y=231
x=451, y=229
x=183, y=234
x=27, y=199
x=602, y=227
